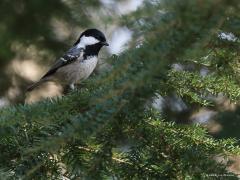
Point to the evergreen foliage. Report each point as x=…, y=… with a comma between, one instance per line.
x=107, y=129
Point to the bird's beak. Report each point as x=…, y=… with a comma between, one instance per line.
x=105, y=43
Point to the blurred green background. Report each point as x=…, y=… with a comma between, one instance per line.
x=33, y=34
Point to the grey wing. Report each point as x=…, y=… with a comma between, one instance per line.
x=71, y=56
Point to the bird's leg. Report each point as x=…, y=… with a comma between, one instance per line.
x=68, y=88
x=72, y=87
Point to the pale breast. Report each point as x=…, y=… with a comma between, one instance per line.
x=78, y=70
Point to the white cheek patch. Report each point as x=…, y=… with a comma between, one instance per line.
x=86, y=41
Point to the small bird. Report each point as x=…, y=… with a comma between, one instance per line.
x=78, y=62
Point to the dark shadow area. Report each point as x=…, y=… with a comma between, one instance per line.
x=230, y=123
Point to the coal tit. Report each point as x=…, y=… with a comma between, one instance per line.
x=79, y=61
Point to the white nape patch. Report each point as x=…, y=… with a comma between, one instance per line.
x=86, y=41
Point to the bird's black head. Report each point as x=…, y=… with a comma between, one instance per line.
x=94, y=33
x=92, y=40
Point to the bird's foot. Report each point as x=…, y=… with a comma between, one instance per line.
x=72, y=87
x=68, y=89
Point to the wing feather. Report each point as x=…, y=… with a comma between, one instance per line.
x=71, y=56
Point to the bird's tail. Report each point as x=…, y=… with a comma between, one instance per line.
x=33, y=86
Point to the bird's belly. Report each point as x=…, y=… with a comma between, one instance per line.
x=77, y=71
